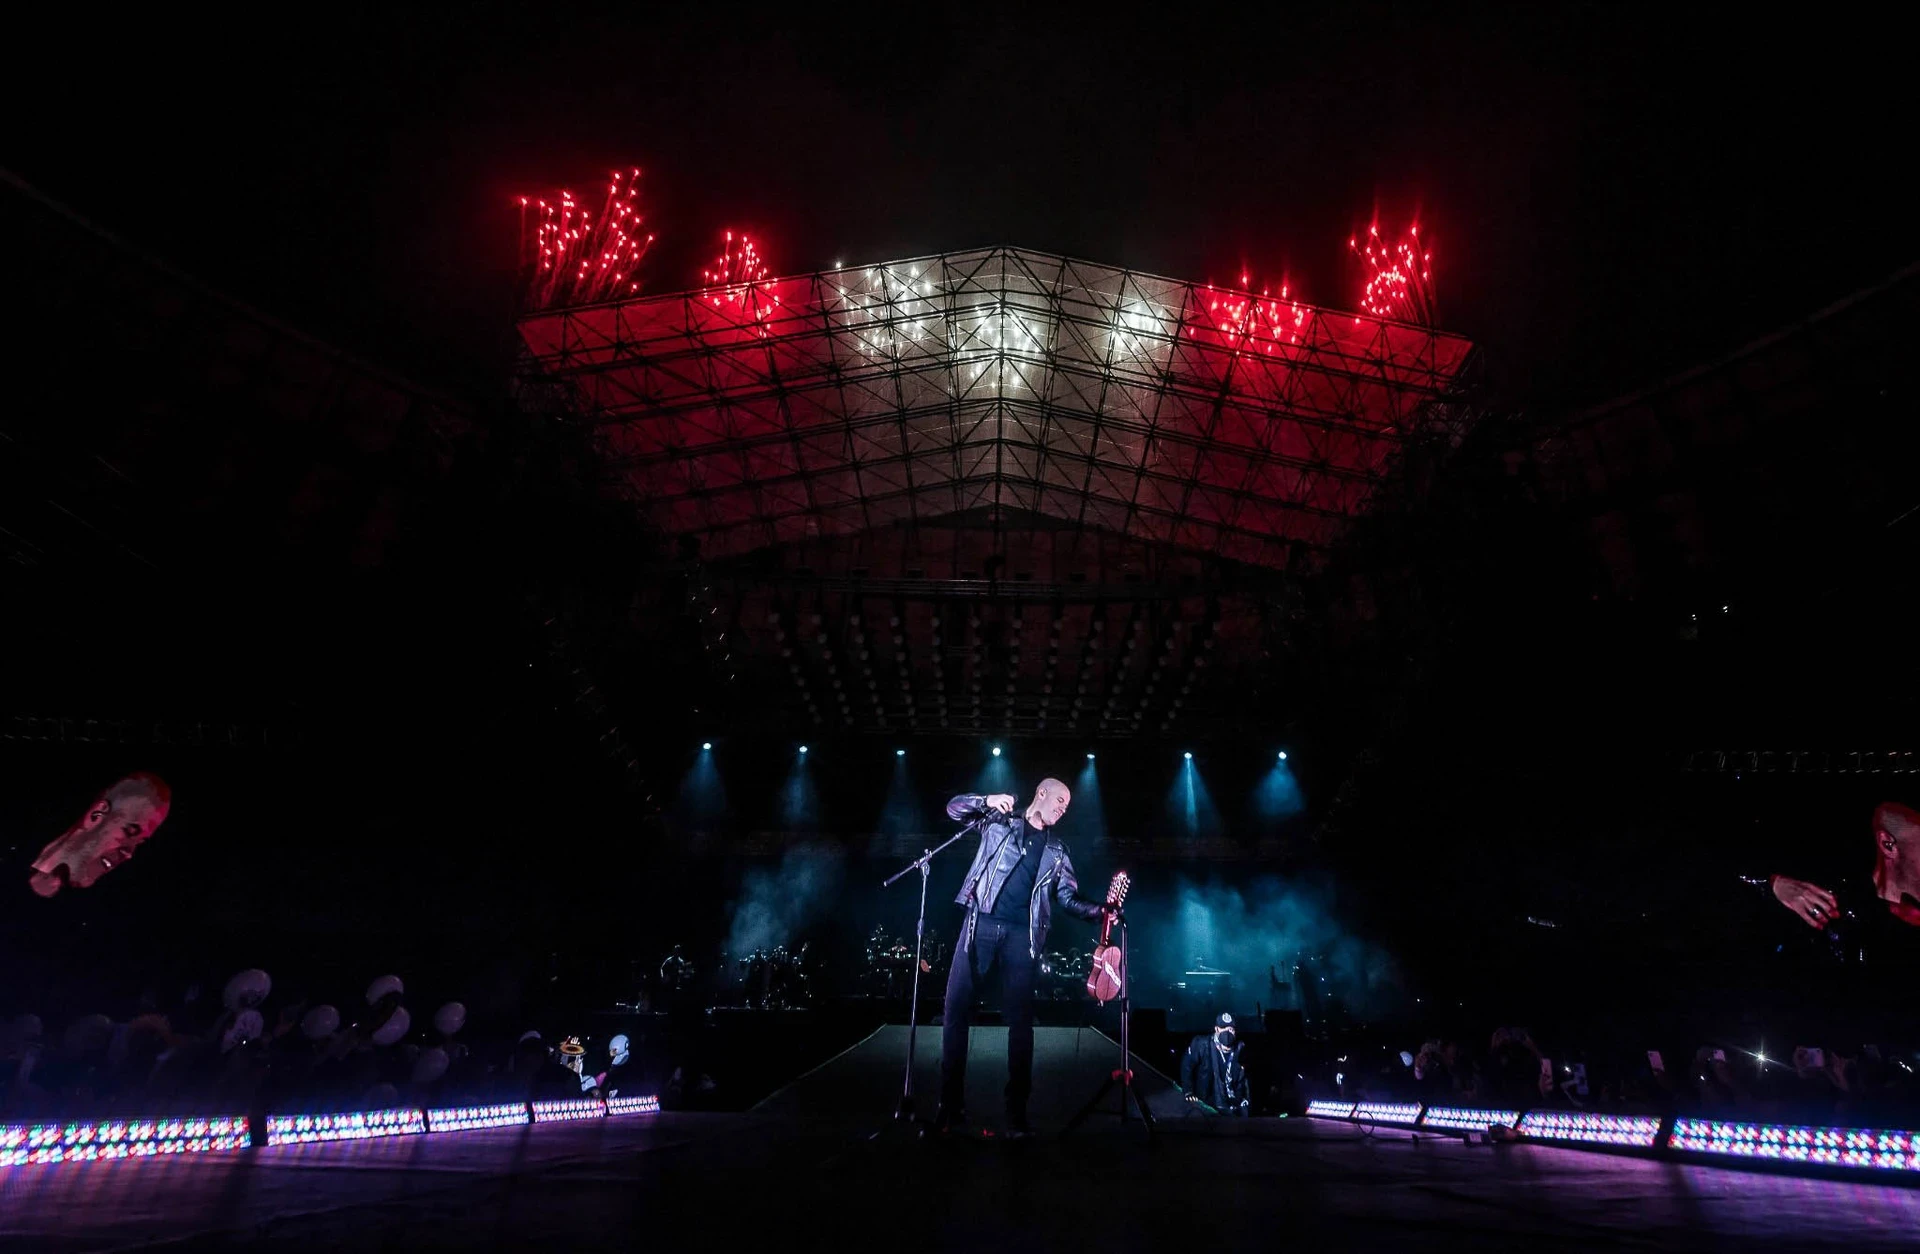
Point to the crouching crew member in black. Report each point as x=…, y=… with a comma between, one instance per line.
x=1211, y=1074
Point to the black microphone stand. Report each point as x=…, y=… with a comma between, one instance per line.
x=905, y=1109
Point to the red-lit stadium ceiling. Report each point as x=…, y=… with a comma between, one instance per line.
x=999, y=381
x=993, y=490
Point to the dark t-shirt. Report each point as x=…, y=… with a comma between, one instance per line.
x=1011, y=905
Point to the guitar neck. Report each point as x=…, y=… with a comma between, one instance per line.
x=1116, y=897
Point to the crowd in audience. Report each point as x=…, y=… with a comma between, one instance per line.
x=244, y=1051
x=1835, y=1082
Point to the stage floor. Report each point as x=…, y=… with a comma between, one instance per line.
x=821, y=1161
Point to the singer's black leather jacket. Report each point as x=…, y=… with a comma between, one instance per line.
x=999, y=853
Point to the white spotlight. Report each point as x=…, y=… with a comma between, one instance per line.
x=803, y=748
x=996, y=751
x=706, y=744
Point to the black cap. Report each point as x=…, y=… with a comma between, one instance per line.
x=1223, y=1020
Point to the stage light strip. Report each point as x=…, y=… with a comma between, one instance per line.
x=461, y=1118
x=633, y=1105
x=1388, y=1112
x=1634, y=1131
x=1792, y=1143
x=119, y=1138
x=359, y=1125
x=1330, y=1110
x=577, y=1108
x=1467, y=1118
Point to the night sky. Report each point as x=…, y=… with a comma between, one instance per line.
x=1609, y=197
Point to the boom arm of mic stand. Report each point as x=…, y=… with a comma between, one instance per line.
x=930, y=854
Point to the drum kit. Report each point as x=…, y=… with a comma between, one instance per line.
x=775, y=979
x=888, y=973
x=1063, y=977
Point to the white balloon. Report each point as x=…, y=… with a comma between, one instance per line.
x=393, y=1029
x=248, y=1025
x=382, y=986
x=430, y=1065
x=450, y=1018
x=320, y=1023
x=247, y=988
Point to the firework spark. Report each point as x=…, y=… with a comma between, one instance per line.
x=737, y=278
x=1399, y=276
x=1244, y=321
x=572, y=258
x=737, y=265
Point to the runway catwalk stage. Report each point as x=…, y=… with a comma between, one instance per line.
x=822, y=1161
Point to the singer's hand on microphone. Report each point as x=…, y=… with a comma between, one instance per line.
x=1000, y=801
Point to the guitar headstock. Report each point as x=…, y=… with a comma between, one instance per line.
x=1117, y=891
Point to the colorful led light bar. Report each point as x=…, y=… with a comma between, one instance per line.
x=1635, y=1131
x=633, y=1105
x=119, y=1138
x=1467, y=1118
x=1388, y=1112
x=359, y=1125
x=575, y=1108
x=1836, y=1147
x=1330, y=1110
x=460, y=1118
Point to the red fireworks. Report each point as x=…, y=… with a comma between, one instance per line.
x=572, y=258
x=1399, y=282
x=1246, y=321
x=737, y=265
x=737, y=278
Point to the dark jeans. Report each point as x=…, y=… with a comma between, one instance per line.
x=995, y=944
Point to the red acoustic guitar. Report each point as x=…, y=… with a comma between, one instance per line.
x=1109, y=971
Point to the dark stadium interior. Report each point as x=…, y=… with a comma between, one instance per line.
x=1480, y=681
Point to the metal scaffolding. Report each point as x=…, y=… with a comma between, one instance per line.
x=860, y=398
x=995, y=490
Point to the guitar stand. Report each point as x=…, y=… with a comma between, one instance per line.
x=1124, y=1076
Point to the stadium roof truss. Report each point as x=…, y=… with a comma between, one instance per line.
x=1000, y=379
